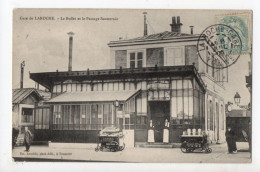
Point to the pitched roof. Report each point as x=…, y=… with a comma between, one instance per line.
x=20, y=94
x=158, y=36
x=44, y=94
x=162, y=35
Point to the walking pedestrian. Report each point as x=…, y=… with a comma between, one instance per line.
x=27, y=139
x=15, y=134
x=231, y=140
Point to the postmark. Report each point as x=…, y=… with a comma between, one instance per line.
x=240, y=22
x=219, y=46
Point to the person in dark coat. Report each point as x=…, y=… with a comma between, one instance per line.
x=231, y=140
x=27, y=139
x=15, y=134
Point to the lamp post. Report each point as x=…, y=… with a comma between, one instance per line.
x=237, y=98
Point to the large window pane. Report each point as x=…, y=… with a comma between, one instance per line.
x=76, y=114
x=179, y=84
x=94, y=114
x=191, y=110
x=47, y=118
x=44, y=114
x=196, y=111
x=37, y=124
x=139, y=105
x=180, y=109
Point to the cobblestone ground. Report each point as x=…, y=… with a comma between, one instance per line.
x=171, y=155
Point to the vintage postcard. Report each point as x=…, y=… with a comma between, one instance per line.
x=121, y=85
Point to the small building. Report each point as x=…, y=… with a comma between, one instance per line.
x=24, y=103
x=239, y=121
x=152, y=78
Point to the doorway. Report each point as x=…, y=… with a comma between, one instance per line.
x=159, y=111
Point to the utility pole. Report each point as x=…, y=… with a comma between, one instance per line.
x=22, y=72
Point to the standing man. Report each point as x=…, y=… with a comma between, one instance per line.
x=27, y=139
x=231, y=140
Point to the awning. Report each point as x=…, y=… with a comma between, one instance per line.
x=94, y=96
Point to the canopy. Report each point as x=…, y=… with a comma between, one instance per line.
x=93, y=96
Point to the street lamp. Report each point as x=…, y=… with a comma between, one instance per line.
x=116, y=103
x=237, y=98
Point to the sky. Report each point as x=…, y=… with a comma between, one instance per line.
x=43, y=44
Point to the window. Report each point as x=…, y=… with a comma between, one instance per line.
x=132, y=60
x=139, y=59
x=136, y=59
x=79, y=117
x=27, y=115
x=42, y=118
x=183, y=103
x=57, y=117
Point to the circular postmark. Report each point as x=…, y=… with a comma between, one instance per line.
x=219, y=46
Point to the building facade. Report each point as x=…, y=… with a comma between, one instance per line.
x=152, y=78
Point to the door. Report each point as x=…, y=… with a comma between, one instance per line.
x=159, y=111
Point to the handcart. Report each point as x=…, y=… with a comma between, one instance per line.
x=191, y=142
x=111, y=139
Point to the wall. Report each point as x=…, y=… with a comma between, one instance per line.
x=152, y=51
x=217, y=132
x=15, y=117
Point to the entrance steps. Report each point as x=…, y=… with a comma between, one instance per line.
x=20, y=140
x=157, y=145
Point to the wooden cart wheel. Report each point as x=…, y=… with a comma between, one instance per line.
x=208, y=150
x=114, y=146
x=183, y=149
x=191, y=149
x=96, y=149
x=122, y=147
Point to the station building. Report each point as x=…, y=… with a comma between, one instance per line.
x=152, y=78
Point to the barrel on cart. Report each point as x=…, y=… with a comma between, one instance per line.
x=111, y=139
x=191, y=142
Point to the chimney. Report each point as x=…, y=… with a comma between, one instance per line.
x=176, y=27
x=70, y=50
x=37, y=85
x=22, y=71
x=145, y=24
x=191, y=30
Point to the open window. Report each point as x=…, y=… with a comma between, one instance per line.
x=27, y=115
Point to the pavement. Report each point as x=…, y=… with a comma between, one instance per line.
x=146, y=155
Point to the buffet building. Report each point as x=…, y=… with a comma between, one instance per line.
x=152, y=78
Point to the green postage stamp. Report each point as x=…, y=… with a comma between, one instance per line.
x=241, y=24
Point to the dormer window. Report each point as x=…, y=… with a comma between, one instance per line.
x=135, y=59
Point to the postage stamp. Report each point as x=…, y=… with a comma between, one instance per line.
x=241, y=24
x=219, y=41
